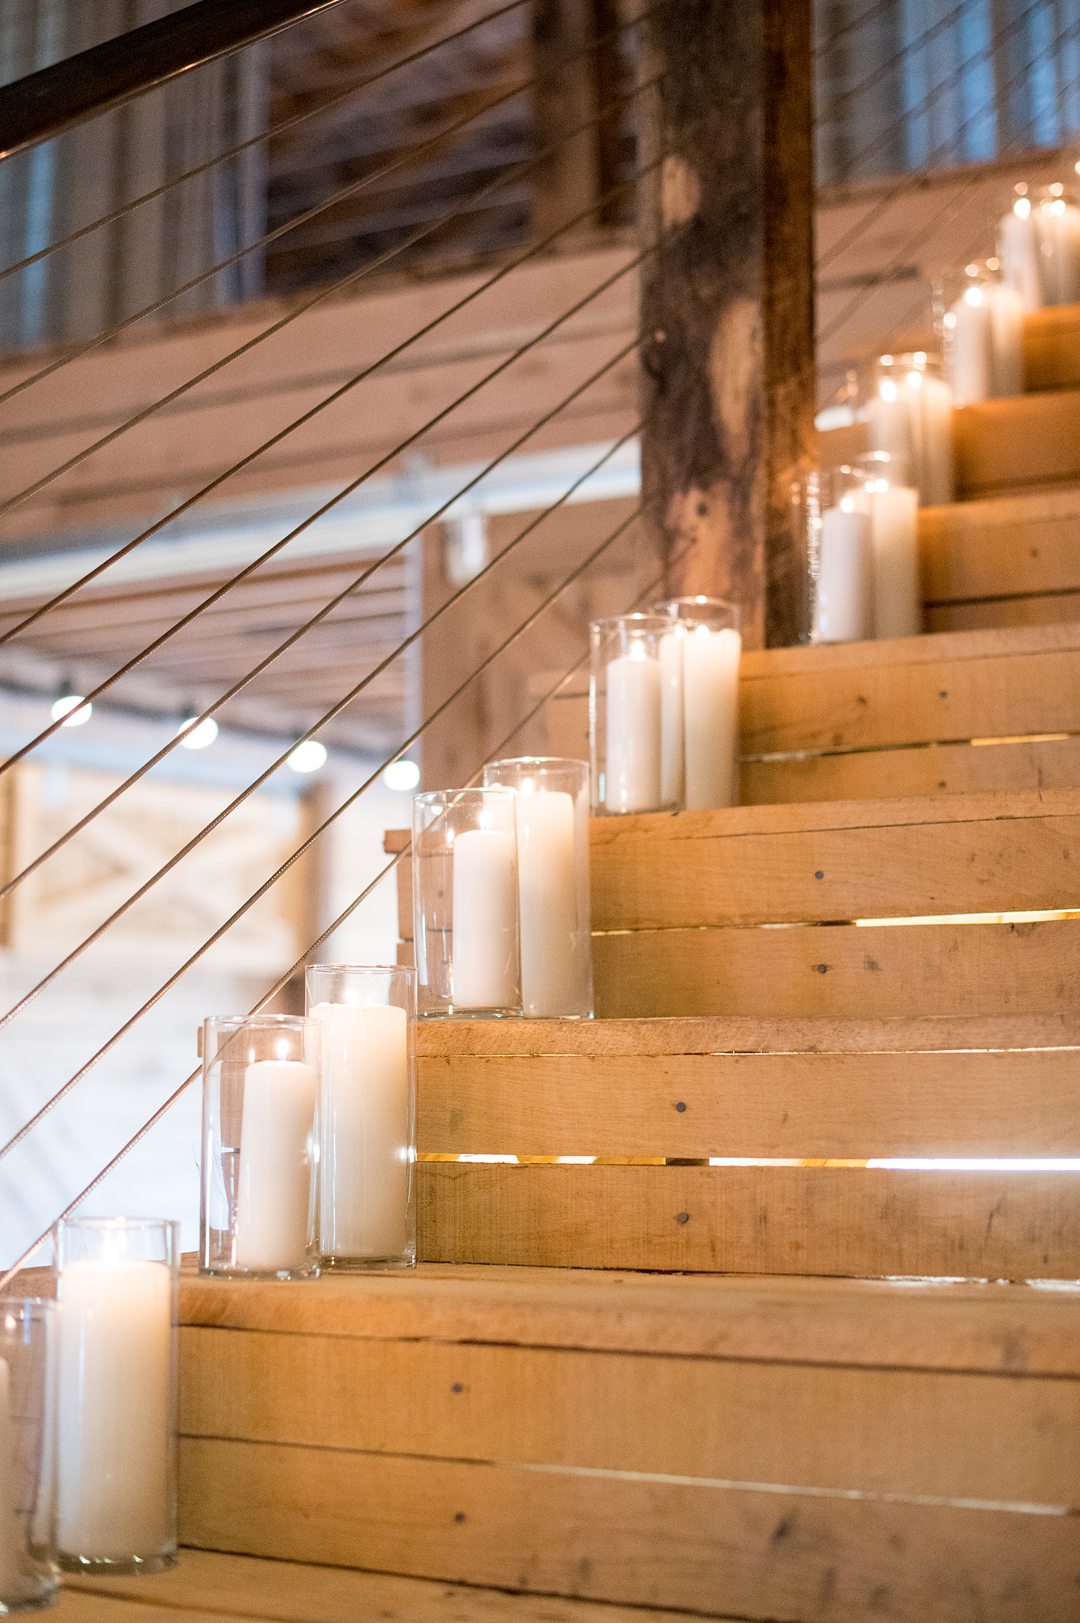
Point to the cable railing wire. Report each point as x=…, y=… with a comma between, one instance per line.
x=328, y=716
x=302, y=849
x=147, y=766
x=871, y=14
x=342, y=918
x=274, y=132
x=351, y=189
x=944, y=148
x=926, y=230
x=370, y=471
x=918, y=43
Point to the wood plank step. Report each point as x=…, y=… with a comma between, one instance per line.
x=1003, y=560
x=857, y=720
x=795, y=1443
x=1007, y=445
x=210, y=1588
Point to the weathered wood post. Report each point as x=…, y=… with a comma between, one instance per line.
x=727, y=301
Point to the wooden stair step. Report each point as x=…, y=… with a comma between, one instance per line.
x=742, y=1146
x=1002, y=560
x=211, y=1588
x=1052, y=348
x=1003, y=445
x=771, y=1449
x=896, y=717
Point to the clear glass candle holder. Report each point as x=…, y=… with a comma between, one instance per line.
x=981, y=323
x=834, y=509
x=29, y=1576
x=552, y=817
x=465, y=902
x=260, y=1147
x=366, y=1014
x=1039, y=245
x=699, y=711
x=626, y=708
x=116, y=1394
x=907, y=406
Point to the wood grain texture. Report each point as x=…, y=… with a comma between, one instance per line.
x=934, y=769
x=771, y=1219
x=830, y=1105
x=879, y=971
x=1052, y=348
x=210, y=1588
x=1001, y=547
x=727, y=303
x=1003, y=445
x=763, y=1555
x=790, y=864
x=1049, y=608
x=1000, y=1439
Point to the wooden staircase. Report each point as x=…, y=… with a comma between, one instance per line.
x=665, y=1349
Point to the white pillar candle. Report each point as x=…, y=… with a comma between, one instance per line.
x=554, y=941
x=1018, y=250
x=114, y=1412
x=273, y=1198
x=971, y=347
x=364, y=1130
x=672, y=780
x=11, y=1535
x=711, y=714
x=633, y=763
x=484, y=953
x=910, y=419
x=844, y=599
x=935, y=479
x=892, y=426
x=894, y=545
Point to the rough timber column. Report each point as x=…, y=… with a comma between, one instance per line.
x=727, y=303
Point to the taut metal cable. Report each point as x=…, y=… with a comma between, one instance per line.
x=928, y=228
x=306, y=844
x=354, y=484
x=218, y=480
x=947, y=147
x=272, y=133
x=918, y=43
x=352, y=189
x=146, y=766
x=384, y=872
x=329, y=715
x=870, y=15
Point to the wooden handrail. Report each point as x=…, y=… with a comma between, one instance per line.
x=56, y=98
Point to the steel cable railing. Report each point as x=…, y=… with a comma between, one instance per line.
x=533, y=250
x=352, y=189
x=927, y=228
x=348, y=489
x=388, y=868
x=275, y=132
x=953, y=142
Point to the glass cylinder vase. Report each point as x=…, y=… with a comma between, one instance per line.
x=29, y=1575
x=552, y=818
x=366, y=1014
x=1039, y=246
x=465, y=902
x=840, y=554
x=626, y=711
x=907, y=406
x=259, y=1147
x=980, y=319
x=700, y=701
x=116, y=1403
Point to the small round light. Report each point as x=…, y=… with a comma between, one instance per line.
x=195, y=734
x=70, y=710
x=403, y=775
x=308, y=756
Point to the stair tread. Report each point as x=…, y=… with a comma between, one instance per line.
x=209, y=1588
x=990, y=1326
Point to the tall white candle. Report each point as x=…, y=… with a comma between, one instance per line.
x=894, y=543
x=273, y=1202
x=114, y=1390
x=935, y=479
x=484, y=954
x=554, y=941
x=364, y=1130
x=672, y=765
x=1039, y=248
x=971, y=348
x=844, y=599
x=11, y=1536
x=1018, y=250
x=633, y=764
x=910, y=420
x=711, y=714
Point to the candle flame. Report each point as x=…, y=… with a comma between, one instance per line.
x=888, y=389
x=1022, y=207
x=973, y=295
x=914, y=380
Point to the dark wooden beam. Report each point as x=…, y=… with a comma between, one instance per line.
x=566, y=95
x=727, y=301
